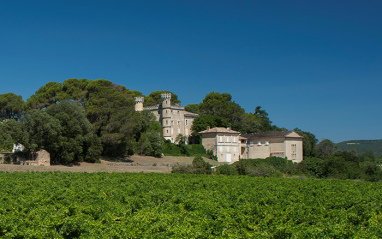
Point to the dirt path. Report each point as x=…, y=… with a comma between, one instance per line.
x=134, y=163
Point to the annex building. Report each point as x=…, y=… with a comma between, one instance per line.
x=175, y=120
x=229, y=146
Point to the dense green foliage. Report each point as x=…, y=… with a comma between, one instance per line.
x=218, y=110
x=361, y=146
x=115, y=128
x=103, y=205
x=154, y=98
x=171, y=149
x=76, y=141
x=340, y=165
x=11, y=106
x=198, y=166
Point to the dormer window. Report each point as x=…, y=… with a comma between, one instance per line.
x=267, y=143
x=258, y=143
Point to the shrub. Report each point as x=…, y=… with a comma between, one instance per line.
x=7, y=159
x=263, y=170
x=183, y=169
x=196, y=149
x=201, y=166
x=226, y=169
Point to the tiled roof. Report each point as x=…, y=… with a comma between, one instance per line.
x=274, y=134
x=219, y=130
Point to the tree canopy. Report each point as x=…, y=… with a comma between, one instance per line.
x=154, y=98
x=11, y=106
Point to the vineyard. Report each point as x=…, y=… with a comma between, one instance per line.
x=120, y=205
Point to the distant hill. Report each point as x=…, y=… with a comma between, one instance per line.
x=362, y=146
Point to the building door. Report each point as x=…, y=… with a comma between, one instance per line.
x=228, y=157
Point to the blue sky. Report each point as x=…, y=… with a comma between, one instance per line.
x=315, y=65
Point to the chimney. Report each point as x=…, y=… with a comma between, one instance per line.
x=208, y=127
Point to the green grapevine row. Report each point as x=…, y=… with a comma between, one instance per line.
x=119, y=205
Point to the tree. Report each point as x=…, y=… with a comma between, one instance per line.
x=220, y=104
x=154, y=98
x=77, y=141
x=10, y=133
x=44, y=96
x=202, y=122
x=193, y=108
x=74, y=89
x=150, y=144
x=11, y=106
x=63, y=130
x=251, y=123
x=266, y=124
x=40, y=131
x=181, y=140
x=325, y=148
x=110, y=112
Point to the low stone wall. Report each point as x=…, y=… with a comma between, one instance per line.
x=39, y=158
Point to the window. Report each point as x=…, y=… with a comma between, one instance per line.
x=167, y=131
x=228, y=149
x=166, y=122
x=186, y=122
x=227, y=139
x=178, y=131
x=220, y=139
x=172, y=131
x=172, y=122
x=178, y=111
x=166, y=111
x=186, y=132
x=178, y=122
x=234, y=139
x=294, y=149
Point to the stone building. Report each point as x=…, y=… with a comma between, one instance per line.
x=229, y=146
x=173, y=118
x=224, y=143
x=279, y=143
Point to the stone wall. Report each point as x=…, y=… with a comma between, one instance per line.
x=39, y=158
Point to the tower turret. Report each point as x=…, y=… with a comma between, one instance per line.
x=166, y=100
x=139, y=103
x=166, y=115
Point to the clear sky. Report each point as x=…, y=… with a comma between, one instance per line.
x=315, y=65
